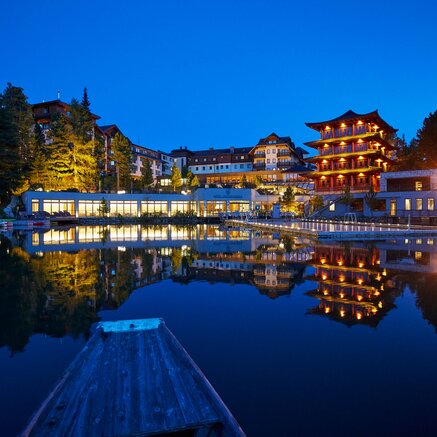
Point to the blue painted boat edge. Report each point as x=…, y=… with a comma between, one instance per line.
x=130, y=325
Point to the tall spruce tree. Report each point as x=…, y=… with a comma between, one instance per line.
x=15, y=102
x=176, y=178
x=146, y=174
x=10, y=163
x=123, y=160
x=84, y=164
x=39, y=166
x=60, y=154
x=426, y=142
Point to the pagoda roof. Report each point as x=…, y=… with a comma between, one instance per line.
x=353, y=116
x=348, y=155
x=367, y=136
x=344, y=171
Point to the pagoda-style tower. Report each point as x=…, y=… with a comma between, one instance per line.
x=353, y=150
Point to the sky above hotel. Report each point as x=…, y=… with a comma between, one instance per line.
x=217, y=74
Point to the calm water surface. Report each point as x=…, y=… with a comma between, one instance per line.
x=299, y=338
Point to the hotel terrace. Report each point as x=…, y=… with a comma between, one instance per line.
x=353, y=150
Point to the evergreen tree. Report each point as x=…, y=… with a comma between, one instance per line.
x=316, y=203
x=15, y=102
x=85, y=103
x=176, y=178
x=39, y=166
x=83, y=145
x=146, y=174
x=60, y=154
x=10, y=162
x=123, y=160
x=427, y=143
x=289, y=200
x=189, y=177
x=194, y=183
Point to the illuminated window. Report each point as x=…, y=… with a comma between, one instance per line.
x=430, y=204
x=332, y=207
x=419, y=204
x=418, y=185
x=407, y=204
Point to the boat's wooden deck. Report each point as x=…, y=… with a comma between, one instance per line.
x=133, y=378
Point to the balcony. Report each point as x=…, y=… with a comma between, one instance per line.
x=259, y=165
x=284, y=152
x=282, y=164
x=259, y=155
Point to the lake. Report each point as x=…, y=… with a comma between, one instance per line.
x=299, y=338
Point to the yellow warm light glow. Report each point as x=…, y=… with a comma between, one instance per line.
x=359, y=316
x=342, y=295
x=380, y=304
x=340, y=263
x=375, y=127
x=323, y=177
x=374, y=310
x=342, y=160
x=341, y=278
x=327, y=310
x=327, y=128
x=342, y=143
x=340, y=177
x=359, y=298
x=325, y=145
x=342, y=313
x=360, y=140
x=360, y=174
x=376, y=293
x=343, y=125
x=322, y=260
x=325, y=292
x=324, y=277
x=359, y=122
x=360, y=265
x=359, y=281
x=361, y=157
x=324, y=161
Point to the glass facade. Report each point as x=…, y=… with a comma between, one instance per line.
x=89, y=208
x=52, y=206
x=126, y=208
x=154, y=208
x=182, y=207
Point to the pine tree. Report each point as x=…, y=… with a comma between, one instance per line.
x=10, y=163
x=39, y=169
x=176, y=178
x=60, y=154
x=194, y=183
x=15, y=102
x=289, y=200
x=123, y=160
x=146, y=174
x=84, y=164
x=85, y=101
x=427, y=142
x=189, y=177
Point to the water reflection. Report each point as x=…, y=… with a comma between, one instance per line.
x=55, y=282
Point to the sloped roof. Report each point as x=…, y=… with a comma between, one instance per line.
x=351, y=115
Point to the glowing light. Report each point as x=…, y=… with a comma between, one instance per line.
x=342, y=160
x=327, y=128
x=342, y=313
x=325, y=292
x=361, y=157
x=327, y=310
x=359, y=122
x=324, y=161
x=322, y=260
x=343, y=125
x=359, y=298
x=359, y=281
x=360, y=140
x=341, y=278
x=360, y=265
x=324, y=277
x=359, y=316
x=342, y=143
x=340, y=263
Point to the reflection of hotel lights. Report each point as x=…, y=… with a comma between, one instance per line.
x=359, y=298
x=384, y=272
x=327, y=310
x=342, y=295
x=324, y=277
x=380, y=304
x=340, y=263
x=322, y=260
x=359, y=281
x=342, y=313
x=325, y=292
x=341, y=278
x=359, y=316
x=360, y=265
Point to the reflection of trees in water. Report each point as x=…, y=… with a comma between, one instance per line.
x=60, y=293
x=425, y=288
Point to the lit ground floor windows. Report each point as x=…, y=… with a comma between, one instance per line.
x=125, y=208
x=52, y=206
x=154, y=233
x=239, y=206
x=89, y=208
x=182, y=207
x=154, y=208
x=430, y=204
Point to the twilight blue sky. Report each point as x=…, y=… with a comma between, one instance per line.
x=220, y=73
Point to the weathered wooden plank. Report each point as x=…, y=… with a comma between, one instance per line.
x=132, y=378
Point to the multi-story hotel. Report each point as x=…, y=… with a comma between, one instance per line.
x=353, y=150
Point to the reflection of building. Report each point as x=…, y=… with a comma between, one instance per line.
x=353, y=150
x=352, y=286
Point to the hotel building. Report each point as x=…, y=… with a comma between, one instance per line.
x=353, y=150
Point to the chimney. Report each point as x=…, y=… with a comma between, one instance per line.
x=59, y=95
x=211, y=148
x=232, y=149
